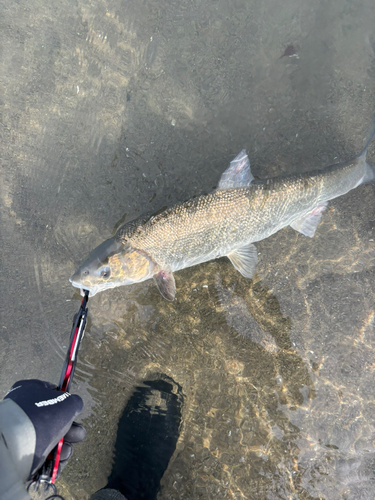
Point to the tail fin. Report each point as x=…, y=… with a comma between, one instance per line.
x=370, y=168
x=370, y=136
x=370, y=173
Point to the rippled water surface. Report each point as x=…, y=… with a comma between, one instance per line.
x=113, y=108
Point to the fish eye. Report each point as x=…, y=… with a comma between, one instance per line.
x=105, y=273
x=86, y=272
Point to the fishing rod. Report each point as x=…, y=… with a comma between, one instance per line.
x=50, y=468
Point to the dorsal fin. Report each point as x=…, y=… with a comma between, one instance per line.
x=238, y=174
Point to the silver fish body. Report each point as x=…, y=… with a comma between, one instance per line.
x=226, y=222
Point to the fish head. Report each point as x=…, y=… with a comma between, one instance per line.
x=113, y=263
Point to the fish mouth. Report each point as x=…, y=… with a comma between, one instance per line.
x=91, y=289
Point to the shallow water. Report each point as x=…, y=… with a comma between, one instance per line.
x=111, y=109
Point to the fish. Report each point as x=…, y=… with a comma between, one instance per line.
x=226, y=222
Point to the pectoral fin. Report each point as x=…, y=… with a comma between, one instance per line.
x=165, y=282
x=244, y=260
x=238, y=174
x=308, y=223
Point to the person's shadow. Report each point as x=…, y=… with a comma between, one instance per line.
x=147, y=434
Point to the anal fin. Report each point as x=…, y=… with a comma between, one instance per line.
x=165, y=282
x=244, y=259
x=308, y=223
